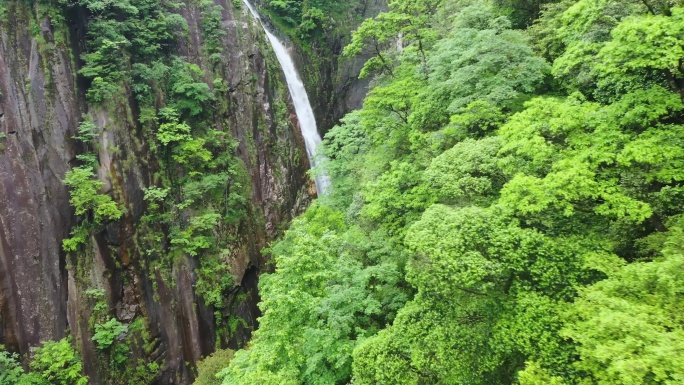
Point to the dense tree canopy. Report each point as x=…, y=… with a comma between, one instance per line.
x=505, y=208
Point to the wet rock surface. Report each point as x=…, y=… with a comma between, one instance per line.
x=41, y=104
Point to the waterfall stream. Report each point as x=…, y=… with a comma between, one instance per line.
x=305, y=114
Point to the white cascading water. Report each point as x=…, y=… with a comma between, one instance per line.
x=305, y=114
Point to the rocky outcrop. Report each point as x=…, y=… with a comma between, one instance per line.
x=41, y=104
x=331, y=79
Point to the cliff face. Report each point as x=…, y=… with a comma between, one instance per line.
x=46, y=293
x=331, y=79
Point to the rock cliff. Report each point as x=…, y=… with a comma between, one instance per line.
x=46, y=293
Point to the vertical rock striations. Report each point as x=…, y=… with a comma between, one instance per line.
x=46, y=293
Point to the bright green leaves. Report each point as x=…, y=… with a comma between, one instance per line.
x=583, y=28
x=570, y=187
x=534, y=374
x=344, y=146
x=106, y=333
x=93, y=206
x=467, y=173
x=57, y=363
x=536, y=136
x=11, y=371
x=461, y=261
x=410, y=19
x=468, y=266
x=89, y=203
x=172, y=130
x=630, y=328
x=493, y=65
x=104, y=68
x=475, y=120
x=197, y=235
x=122, y=34
x=389, y=109
x=383, y=360
x=397, y=197
x=312, y=18
x=563, y=148
x=189, y=92
x=377, y=34
x=657, y=154
x=645, y=108
x=211, y=365
x=646, y=41
x=651, y=43
x=86, y=197
x=176, y=135
x=511, y=206
x=614, y=47
x=320, y=301
x=482, y=65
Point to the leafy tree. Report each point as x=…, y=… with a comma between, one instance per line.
x=190, y=93
x=467, y=173
x=629, y=327
x=398, y=196
x=529, y=223
x=11, y=371
x=486, y=62
x=210, y=366
x=58, y=364
x=652, y=43
x=89, y=203
x=470, y=284
x=344, y=147
x=106, y=333
x=410, y=19
x=320, y=301
x=522, y=12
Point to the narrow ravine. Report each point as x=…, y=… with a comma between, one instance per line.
x=305, y=114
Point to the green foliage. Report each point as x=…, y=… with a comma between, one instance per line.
x=106, y=333
x=488, y=63
x=527, y=209
x=322, y=299
x=11, y=371
x=57, y=363
x=208, y=368
x=197, y=202
x=629, y=327
x=307, y=19
x=467, y=173
x=594, y=60
x=465, y=325
x=87, y=131
x=410, y=19
x=522, y=12
x=190, y=93
x=212, y=32
x=89, y=203
x=344, y=146
x=123, y=32
x=535, y=375
x=398, y=197
x=85, y=196
x=195, y=236
x=645, y=44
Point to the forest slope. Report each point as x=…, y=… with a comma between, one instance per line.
x=506, y=207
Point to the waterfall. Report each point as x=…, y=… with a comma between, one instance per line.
x=305, y=114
